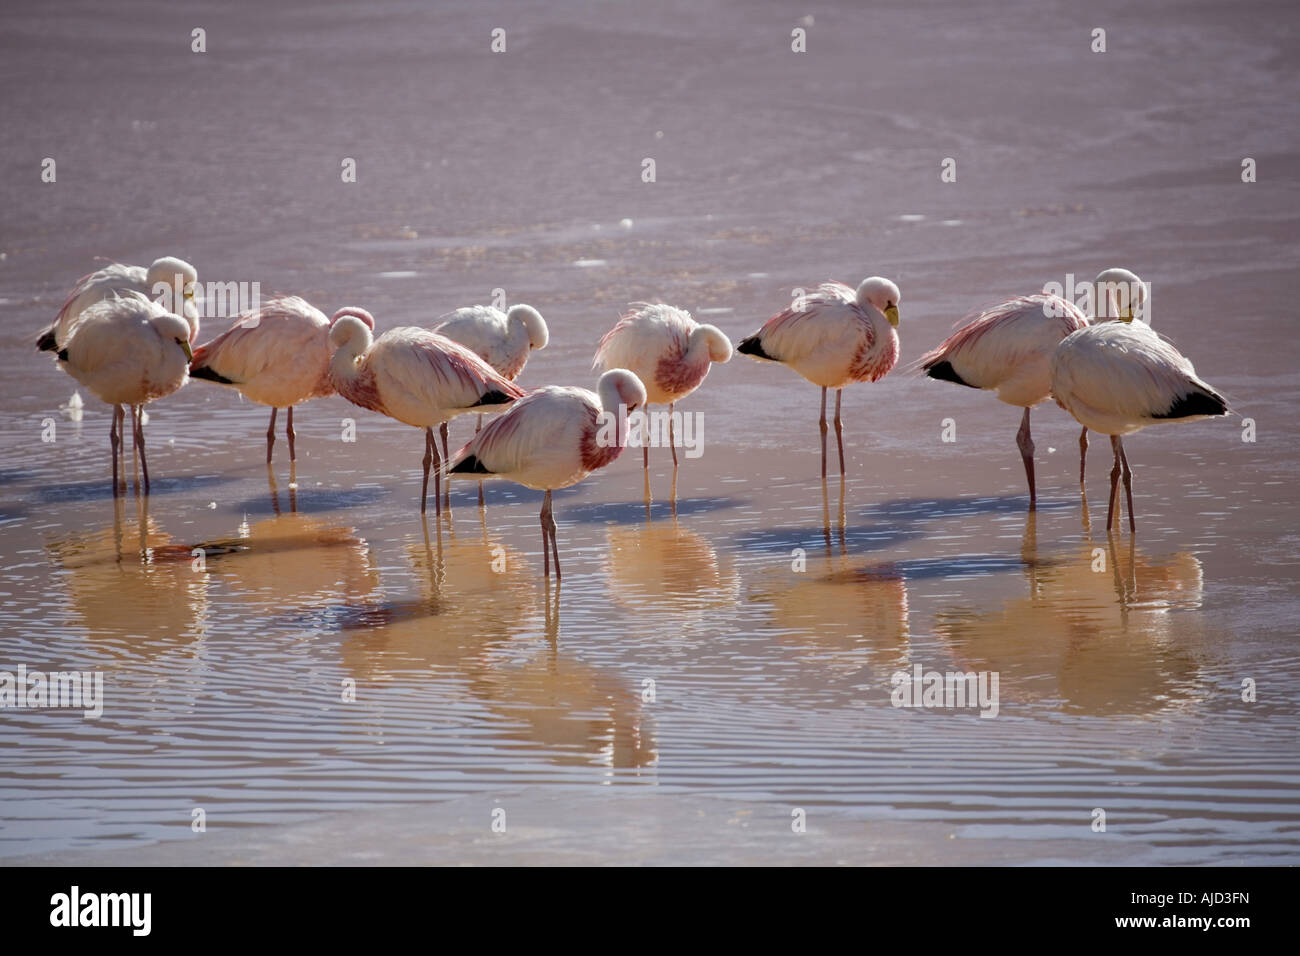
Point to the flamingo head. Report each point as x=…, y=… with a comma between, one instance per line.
x=620, y=388
x=882, y=295
x=533, y=324
x=173, y=272
x=350, y=335
x=174, y=327
x=711, y=336
x=355, y=312
x=1120, y=295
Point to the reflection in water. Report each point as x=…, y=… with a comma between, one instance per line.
x=131, y=583
x=483, y=618
x=836, y=605
x=293, y=559
x=664, y=567
x=1095, y=632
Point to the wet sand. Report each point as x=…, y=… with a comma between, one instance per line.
x=1120, y=688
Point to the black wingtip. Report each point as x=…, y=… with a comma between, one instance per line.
x=47, y=342
x=469, y=465
x=753, y=346
x=205, y=373
x=494, y=398
x=62, y=355
x=944, y=372
x=1196, y=404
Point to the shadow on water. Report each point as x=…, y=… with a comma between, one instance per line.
x=101, y=489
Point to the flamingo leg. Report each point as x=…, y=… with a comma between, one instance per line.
x=555, y=548
x=672, y=439
x=1083, y=456
x=822, y=426
x=270, y=435
x=442, y=431
x=291, y=435
x=138, y=416
x=839, y=428
x=428, y=460
x=1114, y=484
x=115, y=443
x=546, y=534
x=1026, y=445
x=1127, y=474
x=478, y=427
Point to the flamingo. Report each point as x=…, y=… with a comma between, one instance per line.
x=833, y=338
x=116, y=277
x=277, y=355
x=128, y=350
x=668, y=351
x=416, y=376
x=553, y=438
x=502, y=339
x=1118, y=377
x=1007, y=349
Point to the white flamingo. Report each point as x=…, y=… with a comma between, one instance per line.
x=668, y=351
x=115, y=277
x=834, y=337
x=1007, y=348
x=1118, y=377
x=128, y=350
x=416, y=376
x=553, y=438
x=276, y=355
x=502, y=339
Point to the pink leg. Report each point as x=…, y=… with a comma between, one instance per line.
x=822, y=426
x=115, y=443
x=1114, y=484
x=839, y=428
x=1026, y=445
x=428, y=460
x=270, y=435
x=1127, y=474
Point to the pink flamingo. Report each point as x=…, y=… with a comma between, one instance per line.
x=667, y=350
x=834, y=337
x=416, y=376
x=128, y=350
x=1118, y=377
x=553, y=438
x=115, y=277
x=276, y=355
x=1007, y=349
x=502, y=339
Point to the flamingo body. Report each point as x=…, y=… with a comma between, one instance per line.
x=665, y=348
x=416, y=376
x=502, y=339
x=276, y=355
x=1118, y=377
x=838, y=336
x=128, y=350
x=834, y=337
x=119, y=278
x=1007, y=349
x=553, y=438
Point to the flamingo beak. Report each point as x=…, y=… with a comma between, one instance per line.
x=891, y=314
x=185, y=347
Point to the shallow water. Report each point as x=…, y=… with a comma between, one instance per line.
x=1121, y=661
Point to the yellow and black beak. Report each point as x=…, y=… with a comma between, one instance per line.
x=185, y=347
x=891, y=314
